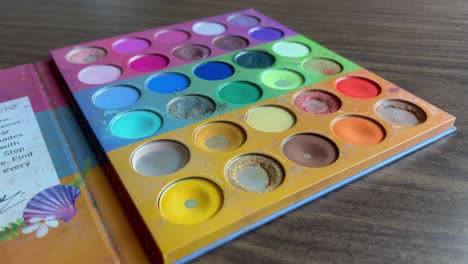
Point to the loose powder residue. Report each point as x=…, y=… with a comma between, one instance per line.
x=401, y=113
x=255, y=173
x=192, y=52
x=216, y=143
x=317, y=102
x=321, y=66
x=191, y=107
x=231, y=42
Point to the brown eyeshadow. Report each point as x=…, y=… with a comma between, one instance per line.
x=192, y=52
x=401, y=113
x=310, y=150
x=231, y=42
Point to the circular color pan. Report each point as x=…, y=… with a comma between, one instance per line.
x=231, y=42
x=254, y=59
x=291, y=49
x=168, y=83
x=99, y=74
x=214, y=71
x=266, y=34
x=209, y=28
x=401, y=113
x=270, y=118
x=160, y=158
x=135, y=124
x=148, y=62
x=240, y=93
x=322, y=66
x=219, y=136
x=282, y=79
x=243, y=20
x=190, y=201
x=192, y=52
x=358, y=130
x=176, y=36
x=254, y=173
x=115, y=97
x=358, y=87
x=131, y=45
x=189, y=107
x=317, y=102
x=86, y=55
x=310, y=150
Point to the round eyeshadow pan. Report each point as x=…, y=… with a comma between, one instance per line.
x=240, y=92
x=175, y=36
x=231, y=42
x=135, y=124
x=148, y=62
x=166, y=83
x=282, y=79
x=214, y=71
x=131, y=45
x=322, y=66
x=254, y=173
x=254, y=59
x=317, y=102
x=358, y=130
x=310, y=150
x=116, y=97
x=159, y=158
x=190, y=201
x=189, y=107
x=270, y=118
x=219, y=136
x=192, y=52
x=86, y=55
x=291, y=49
x=400, y=112
x=266, y=34
x=243, y=20
x=358, y=87
x=99, y=74
x=209, y=28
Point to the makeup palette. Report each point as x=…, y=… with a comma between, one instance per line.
x=216, y=126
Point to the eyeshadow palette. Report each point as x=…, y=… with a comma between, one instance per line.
x=216, y=126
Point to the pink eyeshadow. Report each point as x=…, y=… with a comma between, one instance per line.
x=131, y=45
x=148, y=62
x=171, y=36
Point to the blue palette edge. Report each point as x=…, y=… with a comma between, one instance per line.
x=309, y=199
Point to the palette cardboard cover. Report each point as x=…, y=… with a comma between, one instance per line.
x=56, y=203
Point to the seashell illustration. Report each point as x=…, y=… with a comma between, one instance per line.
x=58, y=201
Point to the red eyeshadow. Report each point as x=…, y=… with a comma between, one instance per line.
x=358, y=87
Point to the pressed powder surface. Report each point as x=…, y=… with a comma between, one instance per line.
x=282, y=79
x=317, y=102
x=148, y=62
x=214, y=71
x=401, y=112
x=254, y=173
x=270, y=118
x=240, y=92
x=208, y=28
x=116, y=97
x=358, y=87
x=266, y=34
x=168, y=83
x=86, y=55
x=310, y=150
x=192, y=52
x=231, y=42
x=99, y=74
x=191, y=107
x=243, y=20
x=131, y=45
x=135, y=124
x=159, y=158
x=190, y=201
x=358, y=130
x=291, y=49
x=171, y=36
x=254, y=59
x=322, y=66
x=219, y=136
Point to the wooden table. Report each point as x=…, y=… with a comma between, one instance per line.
x=412, y=211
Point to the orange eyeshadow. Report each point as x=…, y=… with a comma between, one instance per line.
x=358, y=130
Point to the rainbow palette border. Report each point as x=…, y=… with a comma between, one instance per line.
x=196, y=163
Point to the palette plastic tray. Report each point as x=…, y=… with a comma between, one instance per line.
x=203, y=150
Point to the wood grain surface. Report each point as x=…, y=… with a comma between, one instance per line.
x=412, y=211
